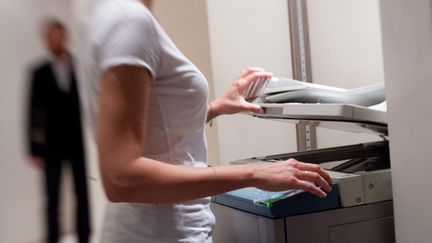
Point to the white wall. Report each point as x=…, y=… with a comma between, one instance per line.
x=407, y=43
x=346, y=51
x=345, y=42
x=249, y=33
x=21, y=208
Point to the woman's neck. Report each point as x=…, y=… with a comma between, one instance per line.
x=148, y=3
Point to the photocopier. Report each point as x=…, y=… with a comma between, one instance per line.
x=359, y=209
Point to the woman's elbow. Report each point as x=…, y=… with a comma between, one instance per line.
x=116, y=190
x=113, y=193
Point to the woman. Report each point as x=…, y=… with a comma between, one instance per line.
x=148, y=106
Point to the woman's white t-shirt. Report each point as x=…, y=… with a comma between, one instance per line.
x=124, y=32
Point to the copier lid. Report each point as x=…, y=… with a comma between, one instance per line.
x=354, y=110
x=347, y=117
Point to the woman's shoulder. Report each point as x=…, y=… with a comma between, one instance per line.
x=119, y=10
x=112, y=15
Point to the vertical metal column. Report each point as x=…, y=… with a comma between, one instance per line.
x=301, y=63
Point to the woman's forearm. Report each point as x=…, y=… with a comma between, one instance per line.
x=149, y=181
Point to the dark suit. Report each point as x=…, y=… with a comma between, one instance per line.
x=55, y=134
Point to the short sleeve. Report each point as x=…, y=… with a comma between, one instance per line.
x=133, y=40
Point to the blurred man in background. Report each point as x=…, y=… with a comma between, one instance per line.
x=54, y=130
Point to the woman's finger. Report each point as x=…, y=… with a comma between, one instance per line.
x=244, y=83
x=314, y=168
x=260, y=86
x=314, y=177
x=303, y=185
x=248, y=91
x=254, y=77
x=253, y=108
x=263, y=85
x=250, y=70
x=252, y=90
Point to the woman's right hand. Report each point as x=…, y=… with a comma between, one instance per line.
x=236, y=98
x=292, y=174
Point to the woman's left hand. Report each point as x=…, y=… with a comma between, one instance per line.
x=243, y=89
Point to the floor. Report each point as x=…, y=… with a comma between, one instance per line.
x=67, y=239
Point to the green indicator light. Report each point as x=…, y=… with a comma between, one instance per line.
x=268, y=204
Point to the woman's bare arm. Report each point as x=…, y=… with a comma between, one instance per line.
x=129, y=177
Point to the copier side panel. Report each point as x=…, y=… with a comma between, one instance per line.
x=372, y=223
x=235, y=226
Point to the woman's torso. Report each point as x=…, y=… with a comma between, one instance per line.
x=175, y=132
